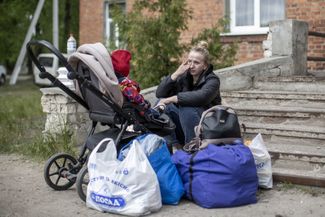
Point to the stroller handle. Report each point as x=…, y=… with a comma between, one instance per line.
x=44, y=74
x=54, y=50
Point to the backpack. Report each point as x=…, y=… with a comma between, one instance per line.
x=218, y=125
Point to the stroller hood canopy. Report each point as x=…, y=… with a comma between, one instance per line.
x=97, y=58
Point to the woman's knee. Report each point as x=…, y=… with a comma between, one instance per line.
x=190, y=114
x=189, y=118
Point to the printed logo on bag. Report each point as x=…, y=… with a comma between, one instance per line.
x=92, y=166
x=113, y=202
x=260, y=165
x=124, y=171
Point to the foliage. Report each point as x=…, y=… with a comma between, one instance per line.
x=14, y=21
x=16, y=16
x=152, y=31
x=221, y=55
x=22, y=122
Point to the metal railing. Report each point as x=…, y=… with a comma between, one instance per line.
x=316, y=34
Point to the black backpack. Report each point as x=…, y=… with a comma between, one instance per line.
x=218, y=125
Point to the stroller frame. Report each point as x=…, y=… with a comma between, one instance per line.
x=67, y=168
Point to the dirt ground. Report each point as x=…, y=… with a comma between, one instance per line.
x=23, y=193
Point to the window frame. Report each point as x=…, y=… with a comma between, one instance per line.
x=108, y=22
x=255, y=29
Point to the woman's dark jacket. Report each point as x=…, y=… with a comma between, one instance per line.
x=205, y=93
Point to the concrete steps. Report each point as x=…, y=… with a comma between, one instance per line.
x=292, y=83
x=297, y=131
x=274, y=98
x=299, y=177
x=289, y=112
x=279, y=114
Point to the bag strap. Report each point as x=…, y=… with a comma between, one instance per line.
x=193, y=145
x=191, y=175
x=108, y=153
x=221, y=141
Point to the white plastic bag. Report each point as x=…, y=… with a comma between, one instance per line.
x=263, y=162
x=128, y=187
x=148, y=142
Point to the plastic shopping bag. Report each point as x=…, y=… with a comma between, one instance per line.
x=263, y=162
x=128, y=187
x=155, y=147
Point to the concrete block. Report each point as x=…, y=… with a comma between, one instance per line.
x=267, y=53
x=267, y=45
x=290, y=38
x=69, y=108
x=61, y=99
x=81, y=109
x=235, y=81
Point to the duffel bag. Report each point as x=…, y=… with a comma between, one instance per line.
x=218, y=176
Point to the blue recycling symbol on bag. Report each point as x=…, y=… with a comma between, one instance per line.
x=114, y=202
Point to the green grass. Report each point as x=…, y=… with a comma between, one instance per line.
x=22, y=122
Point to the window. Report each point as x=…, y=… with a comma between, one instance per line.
x=46, y=61
x=253, y=16
x=111, y=29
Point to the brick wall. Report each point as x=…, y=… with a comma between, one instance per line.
x=206, y=13
x=91, y=21
x=249, y=47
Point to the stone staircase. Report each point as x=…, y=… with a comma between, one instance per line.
x=289, y=112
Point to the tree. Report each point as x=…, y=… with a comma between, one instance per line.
x=152, y=32
x=15, y=18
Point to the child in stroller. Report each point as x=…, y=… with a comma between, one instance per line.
x=97, y=89
x=130, y=88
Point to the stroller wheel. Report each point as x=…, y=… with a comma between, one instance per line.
x=82, y=183
x=60, y=171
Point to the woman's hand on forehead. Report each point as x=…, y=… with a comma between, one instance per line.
x=181, y=70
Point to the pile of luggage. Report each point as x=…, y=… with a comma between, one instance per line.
x=216, y=169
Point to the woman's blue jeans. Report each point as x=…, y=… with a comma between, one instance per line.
x=185, y=119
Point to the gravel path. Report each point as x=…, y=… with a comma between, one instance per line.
x=23, y=193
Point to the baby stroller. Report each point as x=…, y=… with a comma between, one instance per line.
x=97, y=90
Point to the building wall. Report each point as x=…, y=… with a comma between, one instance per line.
x=91, y=21
x=206, y=13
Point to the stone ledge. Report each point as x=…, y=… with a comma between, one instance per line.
x=242, y=76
